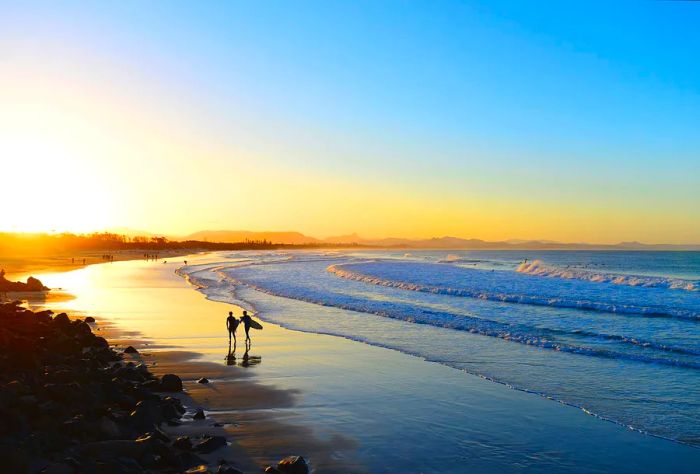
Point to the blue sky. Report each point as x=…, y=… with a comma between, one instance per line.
x=563, y=109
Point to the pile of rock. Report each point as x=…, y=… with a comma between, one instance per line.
x=32, y=284
x=68, y=403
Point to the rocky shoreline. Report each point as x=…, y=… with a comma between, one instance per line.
x=32, y=284
x=71, y=404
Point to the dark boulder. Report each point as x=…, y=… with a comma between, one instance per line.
x=171, y=383
x=151, y=385
x=203, y=380
x=33, y=284
x=89, y=319
x=201, y=469
x=146, y=415
x=223, y=469
x=188, y=459
x=61, y=319
x=183, y=443
x=130, y=350
x=199, y=415
x=210, y=444
x=293, y=465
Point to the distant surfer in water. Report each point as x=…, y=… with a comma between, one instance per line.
x=247, y=321
x=232, y=324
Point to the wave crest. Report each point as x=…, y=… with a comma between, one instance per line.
x=531, y=299
x=539, y=268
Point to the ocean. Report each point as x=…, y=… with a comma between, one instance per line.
x=616, y=334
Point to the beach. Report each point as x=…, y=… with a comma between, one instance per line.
x=18, y=266
x=344, y=405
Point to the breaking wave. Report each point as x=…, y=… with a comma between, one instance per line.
x=538, y=268
x=543, y=338
x=536, y=299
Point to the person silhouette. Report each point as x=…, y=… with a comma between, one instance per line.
x=232, y=324
x=246, y=320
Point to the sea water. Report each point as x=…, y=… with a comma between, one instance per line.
x=616, y=334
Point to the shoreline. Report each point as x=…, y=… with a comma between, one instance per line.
x=300, y=391
x=197, y=420
x=23, y=266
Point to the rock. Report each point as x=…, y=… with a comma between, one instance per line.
x=74, y=463
x=130, y=350
x=33, y=284
x=203, y=380
x=160, y=435
x=153, y=447
x=112, y=449
x=176, y=403
x=151, y=385
x=16, y=460
x=210, y=444
x=227, y=470
x=124, y=464
x=271, y=470
x=199, y=415
x=183, y=443
x=293, y=465
x=170, y=412
x=61, y=319
x=109, y=428
x=100, y=342
x=17, y=388
x=146, y=415
x=171, y=383
x=201, y=469
x=73, y=405
x=89, y=319
x=188, y=459
x=59, y=468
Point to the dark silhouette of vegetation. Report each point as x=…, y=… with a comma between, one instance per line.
x=37, y=243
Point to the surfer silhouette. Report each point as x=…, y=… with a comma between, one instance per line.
x=247, y=321
x=232, y=324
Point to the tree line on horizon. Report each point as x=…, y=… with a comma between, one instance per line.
x=31, y=243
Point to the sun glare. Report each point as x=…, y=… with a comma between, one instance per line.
x=65, y=195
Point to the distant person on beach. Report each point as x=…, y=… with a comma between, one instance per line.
x=246, y=320
x=232, y=324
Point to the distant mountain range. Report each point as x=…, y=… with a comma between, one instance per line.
x=446, y=243
x=232, y=236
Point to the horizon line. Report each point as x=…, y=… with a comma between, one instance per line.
x=367, y=240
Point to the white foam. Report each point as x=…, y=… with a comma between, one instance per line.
x=539, y=268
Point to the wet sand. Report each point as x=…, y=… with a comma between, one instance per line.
x=346, y=406
x=19, y=267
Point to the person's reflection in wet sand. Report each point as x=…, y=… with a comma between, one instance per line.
x=249, y=360
x=231, y=356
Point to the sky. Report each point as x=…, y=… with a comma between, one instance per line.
x=569, y=121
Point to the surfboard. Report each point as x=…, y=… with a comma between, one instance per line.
x=255, y=325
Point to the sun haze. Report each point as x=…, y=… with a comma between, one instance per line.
x=574, y=122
